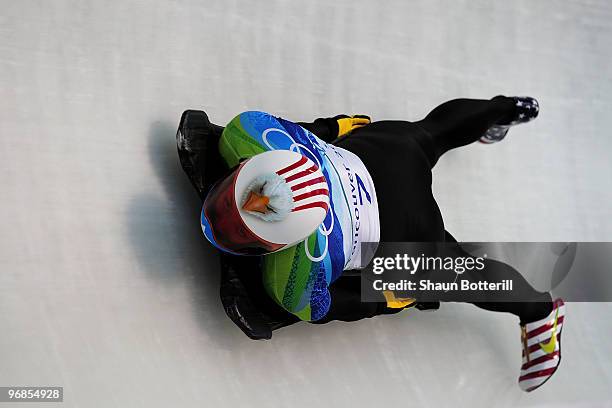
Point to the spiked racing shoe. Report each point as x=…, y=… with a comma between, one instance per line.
x=527, y=109
x=541, y=348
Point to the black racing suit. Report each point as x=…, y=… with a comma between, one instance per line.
x=408, y=151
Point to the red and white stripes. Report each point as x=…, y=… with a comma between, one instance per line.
x=541, y=348
x=308, y=185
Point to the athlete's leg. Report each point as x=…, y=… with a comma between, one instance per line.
x=523, y=301
x=463, y=121
x=541, y=319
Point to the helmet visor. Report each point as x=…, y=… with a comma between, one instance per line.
x=223, y=225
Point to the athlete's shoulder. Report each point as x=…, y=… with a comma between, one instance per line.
x=253, y=132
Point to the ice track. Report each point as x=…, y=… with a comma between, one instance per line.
x=107, y=286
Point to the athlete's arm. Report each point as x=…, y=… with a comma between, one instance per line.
x=329, y=129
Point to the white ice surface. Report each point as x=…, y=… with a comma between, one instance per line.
x=107, y=286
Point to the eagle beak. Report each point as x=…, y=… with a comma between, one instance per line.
x=257, y=202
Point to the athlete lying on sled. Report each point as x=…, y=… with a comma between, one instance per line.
x=300, y=198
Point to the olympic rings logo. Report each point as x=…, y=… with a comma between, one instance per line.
x=297, y=148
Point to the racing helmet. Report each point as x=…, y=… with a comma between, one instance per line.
x=270, y=201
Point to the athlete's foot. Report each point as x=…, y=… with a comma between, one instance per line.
x=527, y=109
x=541, y=348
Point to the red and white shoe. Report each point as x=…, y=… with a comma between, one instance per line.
x=541, y=348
